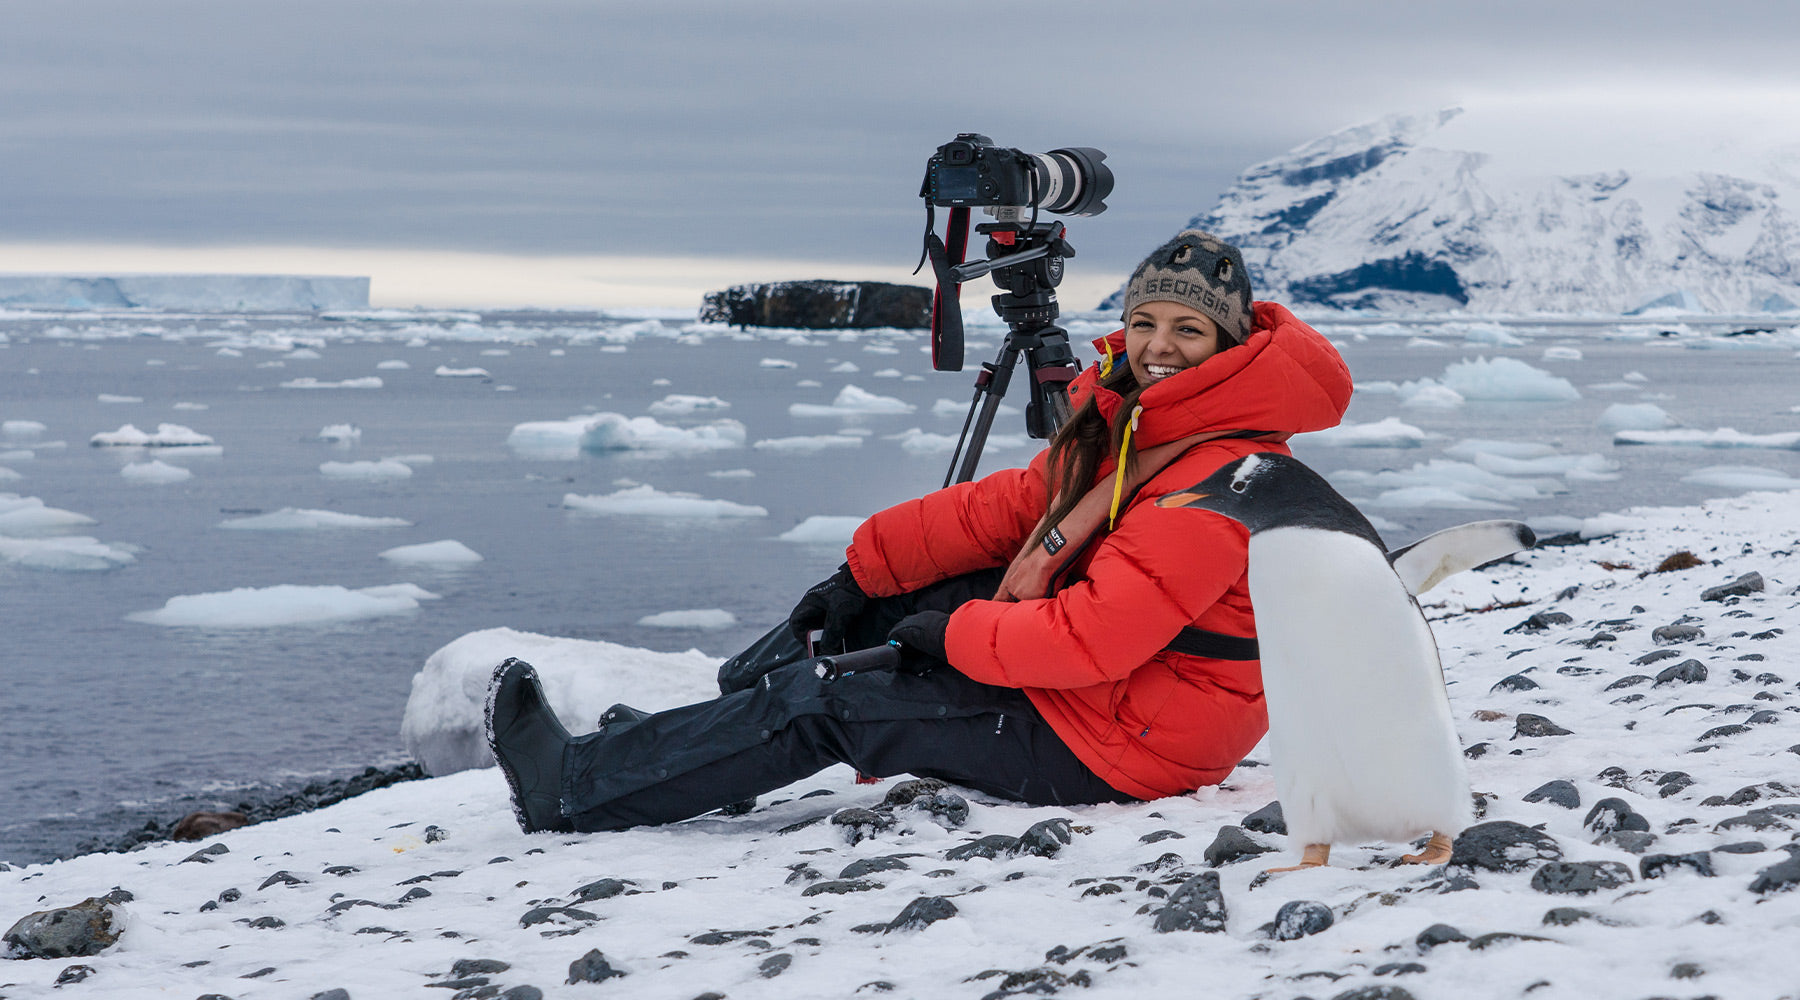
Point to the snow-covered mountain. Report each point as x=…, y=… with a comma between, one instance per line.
x=1529, y=206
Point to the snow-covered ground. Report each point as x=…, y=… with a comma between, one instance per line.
x=1677, y=708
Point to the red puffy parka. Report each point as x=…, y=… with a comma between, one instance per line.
x=1148, y=722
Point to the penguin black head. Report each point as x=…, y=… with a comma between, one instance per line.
x=1270, y=490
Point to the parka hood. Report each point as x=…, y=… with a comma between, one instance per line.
x=1285, y=379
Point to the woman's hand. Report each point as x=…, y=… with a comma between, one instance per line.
x=829, y=606
x=923, y=633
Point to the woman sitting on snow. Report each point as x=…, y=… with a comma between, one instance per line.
x=1038, y=666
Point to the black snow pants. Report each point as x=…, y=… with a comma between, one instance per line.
x=780, y=722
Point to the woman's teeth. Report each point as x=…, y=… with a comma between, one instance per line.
x=1160, y=371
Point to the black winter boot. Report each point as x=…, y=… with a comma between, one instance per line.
x=527, y=741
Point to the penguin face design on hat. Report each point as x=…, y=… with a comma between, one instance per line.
x=1201, y=271
x=1270, y=490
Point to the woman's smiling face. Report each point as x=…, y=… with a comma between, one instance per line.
x=1163, y=338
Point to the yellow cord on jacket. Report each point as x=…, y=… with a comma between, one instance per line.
x=1106, y=362
x=1112, y=517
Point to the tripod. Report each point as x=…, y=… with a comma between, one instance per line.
x=1029, y=274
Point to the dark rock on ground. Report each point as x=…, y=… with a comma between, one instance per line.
x=1580, y=877
x=1655, y=656
x=1685, y=672
x=592, y=968
x=1380, y=991
x=839, y=887
x=1673, y=782
x=869, y=866
x=1158, y=836
x=774, y=965
x=820, y=305
x=1633, y=841
x=339, y=993
x=904, y=793
x=1198, y=905
x=1435, y=935
x=1557, y=793
x=1398, y=969
x=1566, y=916
x=1268, y=819
x=544, y=914
x=74, y=974
x=1779, y=877
x=1232, y=844
x=921, y=913
x=1514, y=682
x=860, y=824
x=1629, y=680
x=1658, y=865
x=86, y=928
x=1723, y=732
x=605, y=888
x=521, y=992
x=1541, y=621
x=478, y=967
x=1502, y=846
x=1529, y=725
x=1167, y=862
x=205, y=854
x=1755, y=819
x=1613, y=814
x=1477, y=750
x=1500, y=937
x=1743, y=586
x=281, y=878
x=994, y=845
x=1047, y=837
x=951, y=809
x=200, y=825
x=1297, y=919
x=1670, y=635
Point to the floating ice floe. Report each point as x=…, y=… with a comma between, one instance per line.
x=1468, y=448
x=366, y=382
x=952, y=408
x=816, y=442
x=1507, y=379
x=1389, y=432
x=166, y=436
x=777, y=363
x=1635, y=417
x=392, y=365
x=285, y=604
x=566, y=439
x=852, y=400
x=67, y=554
x=1561, y=354
x=385, y=468
x=300, y=519
x=29, y=516
x=1429, y=394
x=581, y=678
x=1724, y=437
x=917, y=441
x=340, y=433
x=1446, y=484
x=1576, y=468
x=304, y=354
x=190, y=406
x=445, y=371
x=107, y=397
x=676, y=405
x=1378, y=388
x=698, y=618
x=1742, y=477
x=8, y=475
x=648, y=501
x=155, y=471
x=21, y=430
x=887, y=373
x=823, y=529
x=1487, y=333
x=845, y=368
x=732, y=474
x=448, y=552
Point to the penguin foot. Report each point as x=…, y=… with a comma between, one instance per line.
x=1435, y=853
x=1315, y=856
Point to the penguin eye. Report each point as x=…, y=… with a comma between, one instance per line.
x=1223, y=271
x=1239, y=486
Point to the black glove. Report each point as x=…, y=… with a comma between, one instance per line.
x=922, y=635
x=829, y=606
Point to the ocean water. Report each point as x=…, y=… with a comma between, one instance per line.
x=105, y=721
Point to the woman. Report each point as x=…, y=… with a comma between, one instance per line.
x=1067, y=640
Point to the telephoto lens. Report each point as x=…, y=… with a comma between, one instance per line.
x=1072, y=181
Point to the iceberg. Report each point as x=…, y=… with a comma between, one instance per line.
x=196, y=292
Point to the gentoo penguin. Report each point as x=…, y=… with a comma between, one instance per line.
x=1359, y=722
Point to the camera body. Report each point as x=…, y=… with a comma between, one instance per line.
x=970, y=171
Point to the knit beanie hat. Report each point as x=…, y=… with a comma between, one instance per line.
x=1196, y=269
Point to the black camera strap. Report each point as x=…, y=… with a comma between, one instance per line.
x=946, y=300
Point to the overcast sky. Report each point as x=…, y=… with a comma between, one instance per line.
x=745, y=129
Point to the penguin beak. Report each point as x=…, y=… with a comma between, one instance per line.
x=1180, y=499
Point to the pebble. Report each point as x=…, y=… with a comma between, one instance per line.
x=1268, y=819
x=1558, y=793
x=1580, y=877
x=592, y=968
x=1502, y=846
x=1529, y=725
x=1297, y=919
x=1778, y=877
x=1613, y=814
x=1685, y=672
x=1198, y=905
x=1435, y=935
x=605, y=888
x=1514, y=682
x=1658, y=865
x=86, y=928
x=1743, y=586
x=921, y=913
x=1232, y=844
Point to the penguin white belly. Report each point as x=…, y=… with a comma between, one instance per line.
x=1359, y=724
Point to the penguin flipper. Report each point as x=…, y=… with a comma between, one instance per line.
x=1427, y=562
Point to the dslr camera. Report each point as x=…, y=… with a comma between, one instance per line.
x=970, y=171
